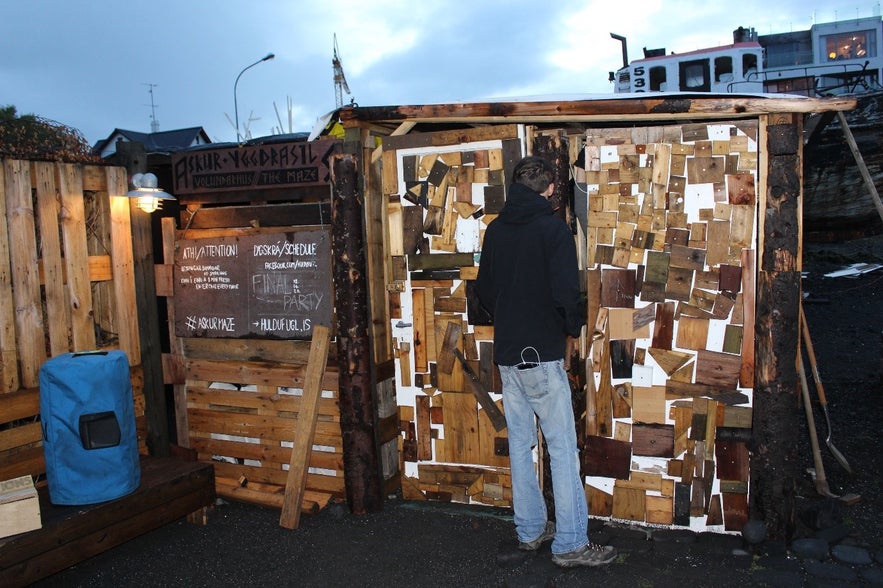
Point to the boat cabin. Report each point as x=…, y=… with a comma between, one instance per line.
x=841, y=57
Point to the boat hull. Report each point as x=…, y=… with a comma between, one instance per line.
x=837, y=204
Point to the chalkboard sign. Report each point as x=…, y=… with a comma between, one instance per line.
x=268, y=285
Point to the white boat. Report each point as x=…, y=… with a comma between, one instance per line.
x=836, y=58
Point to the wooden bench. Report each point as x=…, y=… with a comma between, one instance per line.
x=170, y=489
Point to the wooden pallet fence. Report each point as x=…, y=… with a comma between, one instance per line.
x=66, y=284
x=238, y=399
x=242, y=417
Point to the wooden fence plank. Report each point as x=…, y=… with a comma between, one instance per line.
x=76, y=258
x=57, y=312
x=8, y=348
x=123, y=265
x=25, y=275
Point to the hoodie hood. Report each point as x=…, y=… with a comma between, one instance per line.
x=524, y=205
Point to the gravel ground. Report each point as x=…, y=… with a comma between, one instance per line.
x=845, y=316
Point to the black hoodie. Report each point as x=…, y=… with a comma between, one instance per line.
x=528, y=279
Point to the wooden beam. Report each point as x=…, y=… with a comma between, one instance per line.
x=644, y=108
x=296, y=482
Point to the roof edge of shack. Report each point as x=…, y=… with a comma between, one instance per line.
x=597, y=107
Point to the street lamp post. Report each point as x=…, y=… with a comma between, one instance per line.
x=267, y=57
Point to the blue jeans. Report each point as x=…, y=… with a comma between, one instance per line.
x=544, y=392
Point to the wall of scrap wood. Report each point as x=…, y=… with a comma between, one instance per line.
x=66, y=284
x=666, y=230
x=670, y=246
x=444, y=190
x=237, y=402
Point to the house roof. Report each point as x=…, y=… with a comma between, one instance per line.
x=162, y=142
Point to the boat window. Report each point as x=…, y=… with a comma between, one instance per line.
x=657, y=78
x=803, y=86
x=856, y=45
x=695, y=75
x=749, y=64
x=788, y=50
x=723, y=69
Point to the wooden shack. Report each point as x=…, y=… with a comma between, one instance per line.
x=687, y=214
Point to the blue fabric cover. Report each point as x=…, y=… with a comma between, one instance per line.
x=73, y=385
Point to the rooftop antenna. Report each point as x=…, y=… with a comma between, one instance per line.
x=154, y=124
x=340, y=85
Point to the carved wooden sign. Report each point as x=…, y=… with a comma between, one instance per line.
x=269, y=165
x=267, y=285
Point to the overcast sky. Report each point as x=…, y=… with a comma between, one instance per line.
x=91, y=64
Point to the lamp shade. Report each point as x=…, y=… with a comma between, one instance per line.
x=148, y=195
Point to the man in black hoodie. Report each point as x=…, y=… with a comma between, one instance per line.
x=528, y=280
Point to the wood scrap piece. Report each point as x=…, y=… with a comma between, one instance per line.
x=622, y=399
x=418, y=301
x=448, y=337
x=717, y=369
x=670, y=361
x=675, y=389
x=735, y=511
x=481, y=394
x=404, y=353
x=718, y=242
x=622, y=358
x=643, y=317
x=660, y=509
x=450, y=342
x=622, y=321
x=600, y=502
x=424, y=437
x=305, y=428
x=618, y=288
x=682, y=504
x=629, y=503
x=685, y=374
x=653, y=440
x=607, y=458
x=648, y=404
x=692, y=333
x=732, y=460
x=663, y=327
x=746, y=374
x=604, y=393
x=461, y=427
x=715, y=514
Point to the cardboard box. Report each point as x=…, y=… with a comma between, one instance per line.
x=19, y=506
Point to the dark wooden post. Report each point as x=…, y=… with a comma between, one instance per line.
x=133, y=157
x=555, y=149
x=357, y=412
x=775, y=460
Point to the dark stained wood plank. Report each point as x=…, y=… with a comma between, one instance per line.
x=607, y=457
x=653, y=440
x=618, y=288
x=720, y=370
x=732, y=460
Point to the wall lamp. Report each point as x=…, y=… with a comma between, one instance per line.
x=148, y=196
